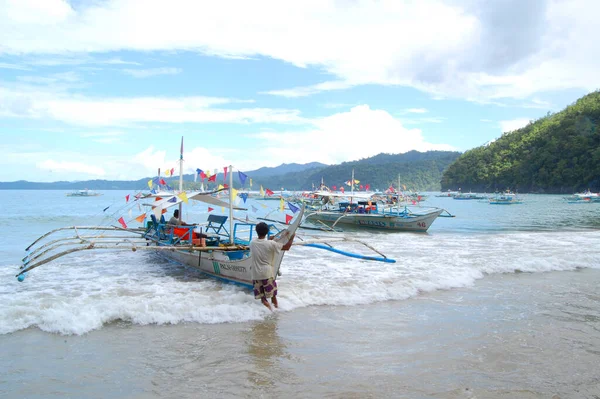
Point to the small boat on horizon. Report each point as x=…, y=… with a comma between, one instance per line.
x=83, y=193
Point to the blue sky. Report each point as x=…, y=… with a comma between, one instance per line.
x=106, y=89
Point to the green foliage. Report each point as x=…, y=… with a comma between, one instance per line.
x=416, y=170
x=559, y=153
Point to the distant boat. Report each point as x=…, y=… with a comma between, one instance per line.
x=447, y=194
x=83, y=193
x=468, y=196
x=586, y=197
x=505, y=198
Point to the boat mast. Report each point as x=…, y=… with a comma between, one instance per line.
x=230, y=204
x=352, y=185
x=180, y=174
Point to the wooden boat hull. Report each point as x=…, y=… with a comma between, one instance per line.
x=406, y=222
x=221, y=264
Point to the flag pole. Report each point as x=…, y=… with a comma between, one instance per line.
x=180, y=175
x=230, y=204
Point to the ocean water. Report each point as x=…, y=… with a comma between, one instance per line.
x=499, y=301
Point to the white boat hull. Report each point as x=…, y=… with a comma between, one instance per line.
x=407, y=222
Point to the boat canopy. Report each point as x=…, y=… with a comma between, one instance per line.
x=170, y=199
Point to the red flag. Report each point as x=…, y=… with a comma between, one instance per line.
x=225, y=185
x=172, y=171
x=367, y=187
x=127, y=198
x=268, y=192
x=212, y=178
x=342, y=188
x=122, y=221
x=162, y=182
x=202, y=175
x=288, y=219
x=158, y=198
x=361, y=187
x=334, y=187
x=210, y=209
x=225, y=174
x=164, y=211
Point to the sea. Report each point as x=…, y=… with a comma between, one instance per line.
x=496, y=302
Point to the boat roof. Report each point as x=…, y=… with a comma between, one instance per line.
x=359, y=195
x=169, y=199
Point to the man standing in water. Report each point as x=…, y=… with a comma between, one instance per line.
x=263, y=253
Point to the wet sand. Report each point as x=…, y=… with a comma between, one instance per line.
x=509, y=336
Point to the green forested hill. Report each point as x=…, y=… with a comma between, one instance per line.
x=559, y=153
x=417, y=171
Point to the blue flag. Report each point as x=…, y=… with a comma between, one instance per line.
x=174, y=199
x=242, y=177
x=244, y=196
x=293, y=207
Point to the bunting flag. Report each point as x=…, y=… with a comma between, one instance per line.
x=158, y=199
x=244, y=196
x=342, y=189
x=262, y=192
x=225, y=185
x=157, y=210
x=172, y=171
x=162, y=182
x=153, y=191
x=225, y=173
x=293, y=207
x=141, y=218
x=173, y=200
x=367, y=187
x=163, y=211
x=222, y=209
x=281, y=204
x=207, y=173
x=288, y=219
x=167, y=172
x=122, y=222
x=213, y=178
x=349, y=182
x=210, y=209
x=254, y=209
x=183, y=197
x=334, y=188
x=250, y=183
x=150, y=184
x=242, y=176
x=138, y=196
x=361, y=187
x=220, y=187
x=269, y=192
x=234, y=193
x=127, y=198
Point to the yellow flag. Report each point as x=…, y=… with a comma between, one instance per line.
x=222, y=210
x=221, y=186
x=234, y=192
x=250, y=183
x=183, y=197
x=167, y=172
x=150, y=184
x=262, y=192
x=281, y=205
x=207, y=173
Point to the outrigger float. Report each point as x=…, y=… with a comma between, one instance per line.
x=224, y=254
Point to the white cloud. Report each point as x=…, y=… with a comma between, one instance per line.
x=415, y=110
x=474, y=50
x=27, y=102
x=358, y=133
x=146, y=73
x=513, y=124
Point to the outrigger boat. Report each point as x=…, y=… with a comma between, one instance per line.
x=225, y=254
x=362, y=210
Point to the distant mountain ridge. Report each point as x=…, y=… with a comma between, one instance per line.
x=417, y=170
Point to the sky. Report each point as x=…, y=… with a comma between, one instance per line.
x=106, y=89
